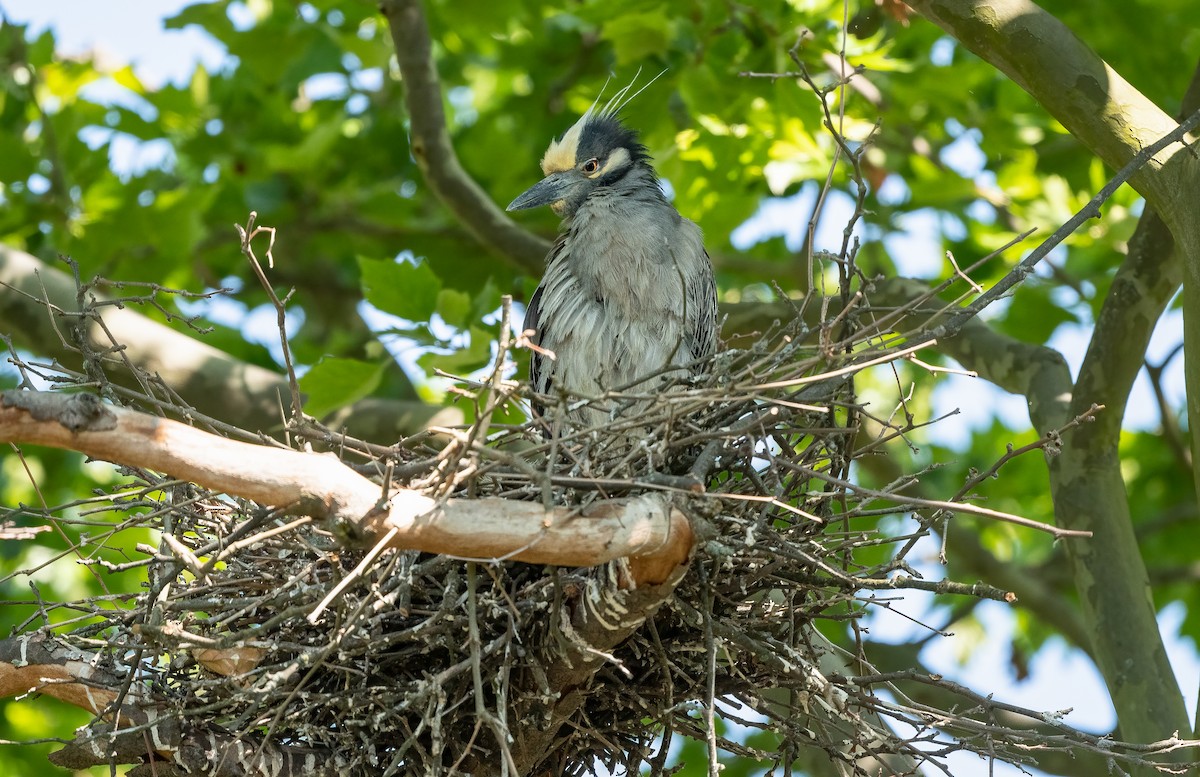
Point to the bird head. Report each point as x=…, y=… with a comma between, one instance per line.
x=597, y=151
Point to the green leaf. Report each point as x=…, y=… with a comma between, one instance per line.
x=16, y=161
x=334, y=382
x=128, y=79
x=1033, y=314
x=465, y=360
x=309, y=153
x=209, y=16
x=400, y=288
x=487, y=300
x=454, y=307
x=638, y=36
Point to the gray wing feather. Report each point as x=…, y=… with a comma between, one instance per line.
x=701, y=337
x=538, y=374
x=539, y=367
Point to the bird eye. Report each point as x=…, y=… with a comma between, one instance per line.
x=591, y=166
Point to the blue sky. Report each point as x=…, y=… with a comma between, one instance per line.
x=131, y=31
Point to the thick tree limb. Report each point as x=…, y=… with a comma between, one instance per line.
x=34, y=662
x=211, y=381
x=434, y=153
x=646, y=528
x=596, y=619
x=1107, y=115
x=1115, y=122
x=1089, y=489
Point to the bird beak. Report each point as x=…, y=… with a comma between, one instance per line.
x=550, y=189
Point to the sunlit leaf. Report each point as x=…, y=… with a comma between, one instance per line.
x=401, y=288
x=335, y=382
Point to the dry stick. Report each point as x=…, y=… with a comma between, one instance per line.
x=1102, y=744
x=315, y=661
x=229, y=546
x=1051, y=439
x=934, y=369
x=508, y=765
x=710, y=648
x=227, y=430
x=362, y=566
x=931, y=292
x=918, y=503
x=486, y=401
x=975, y=287
x=854, y=367
x=247, y=235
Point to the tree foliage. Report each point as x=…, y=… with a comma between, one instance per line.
x=310, y=125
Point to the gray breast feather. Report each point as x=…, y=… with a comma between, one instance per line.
x=618, y=305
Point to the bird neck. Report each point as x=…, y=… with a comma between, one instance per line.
x=637, y=185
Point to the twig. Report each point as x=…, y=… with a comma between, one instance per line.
x=1050, y=442
x=975, y=287
x=247, y=235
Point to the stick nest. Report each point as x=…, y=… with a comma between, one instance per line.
x=424, y=664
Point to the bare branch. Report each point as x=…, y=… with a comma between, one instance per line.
x=137, y=733
x=1122, y=127
x=431, y=146
x=247, y=235
x=321, y=486
x=1089, y=211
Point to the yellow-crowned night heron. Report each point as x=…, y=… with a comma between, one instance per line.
x=628, y=292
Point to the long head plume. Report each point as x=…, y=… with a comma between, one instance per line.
x=561, y=153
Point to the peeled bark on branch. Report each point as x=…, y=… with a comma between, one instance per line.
x=654, y=539
x=646, y=528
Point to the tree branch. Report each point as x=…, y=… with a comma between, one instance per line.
x=1035, y=371
x=647, y=528
x=1089, y=489
x=897, y=659
x=434, y=153
x=40, y=302
x=1116, y=122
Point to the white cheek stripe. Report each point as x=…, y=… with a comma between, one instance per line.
x=618, y=158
